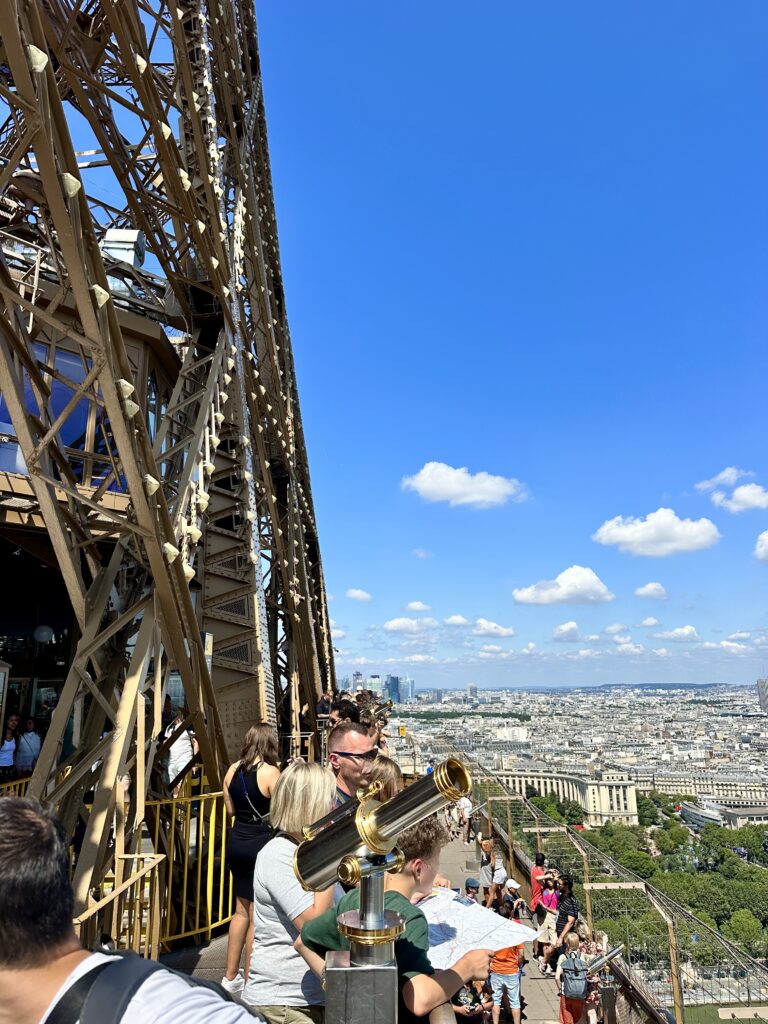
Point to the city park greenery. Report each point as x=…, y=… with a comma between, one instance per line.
x=726, y=889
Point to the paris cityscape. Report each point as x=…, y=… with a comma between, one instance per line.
x=706, y=742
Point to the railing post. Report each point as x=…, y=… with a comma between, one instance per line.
x=510, y=848
x=674, y=970
x=587, y=891
x=674, y=963
x=608, y=1001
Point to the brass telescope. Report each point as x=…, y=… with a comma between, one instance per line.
x=356, y=844
x=374, y=827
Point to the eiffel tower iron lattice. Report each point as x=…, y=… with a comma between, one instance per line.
x=153, y=410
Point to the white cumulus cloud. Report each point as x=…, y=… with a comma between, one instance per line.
x=421, y=553
x=661, y=652
x=530, y=648
x=576, y=585
x=761, y=547
x=622, y=639
x=356, y=594
x=417, y=606
x=652, y=590
x=339, y=634
x=484, y=627
x=437, y=481
x=744, y=498
x=683, y=634
x=650, y=621
x=420, y=659
x=725, y=645
x=616, y=627
x=566, y=632
x=629, y=648
x=741, y=634
x=406, y=625
x=456, y=620
x=492, y=648
x=659, y=534
x=726, y=478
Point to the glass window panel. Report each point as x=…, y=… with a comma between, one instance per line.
x=11, y=459
x=73, y=431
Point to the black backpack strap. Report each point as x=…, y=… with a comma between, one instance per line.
x=69, y=1008
x=113, y=990
x=102, y=996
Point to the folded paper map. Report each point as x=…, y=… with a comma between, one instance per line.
x=458, y=925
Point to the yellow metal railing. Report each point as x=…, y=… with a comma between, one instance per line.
x=196, y=886
x=130, y=915
x=18, y=787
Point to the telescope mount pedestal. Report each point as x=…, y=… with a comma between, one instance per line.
x=361, y=983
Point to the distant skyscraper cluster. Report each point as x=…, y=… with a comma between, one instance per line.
x=762, y=693
x=398, y=689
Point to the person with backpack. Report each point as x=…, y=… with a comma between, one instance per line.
x=590, y=950
x=46, y=975
x=571, y=976
x=248, y=787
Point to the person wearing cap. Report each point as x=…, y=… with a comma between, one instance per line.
x=513, y=897
x=471, y=889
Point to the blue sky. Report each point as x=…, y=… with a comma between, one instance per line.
x=530, y=241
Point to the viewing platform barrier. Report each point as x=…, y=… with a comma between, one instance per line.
x=675, y=969
x=17, y=787
x=130, y=912
x=191, y=833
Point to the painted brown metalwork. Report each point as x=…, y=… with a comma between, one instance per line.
x=154, y=410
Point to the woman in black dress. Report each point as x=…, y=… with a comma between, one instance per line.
x=247, y=790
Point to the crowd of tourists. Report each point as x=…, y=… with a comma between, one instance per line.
x=280, y=933
x=562, y=951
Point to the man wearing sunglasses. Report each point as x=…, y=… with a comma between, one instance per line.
x=351, y=753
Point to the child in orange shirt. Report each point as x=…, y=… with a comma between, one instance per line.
x=505, y=976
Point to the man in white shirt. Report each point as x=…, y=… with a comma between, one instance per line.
x=464, y=807
x=40, y=956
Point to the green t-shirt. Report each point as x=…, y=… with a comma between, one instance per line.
x=411, y=949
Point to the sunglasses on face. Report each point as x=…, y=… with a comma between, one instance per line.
x=368, y=755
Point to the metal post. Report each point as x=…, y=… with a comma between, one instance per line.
x=608, y=1000
x=587, y=892
x=674, y=970
x=372, y=901
x=510, y=849
x=674, y=965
